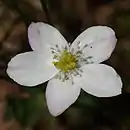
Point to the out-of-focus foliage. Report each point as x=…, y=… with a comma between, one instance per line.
x=26, y=107
x=27, y=110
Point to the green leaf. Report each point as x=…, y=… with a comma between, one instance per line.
x=86, y=100
x=9, y=115
x=33, y=90
x=28, y=110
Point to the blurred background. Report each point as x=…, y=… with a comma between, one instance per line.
x=23, y=108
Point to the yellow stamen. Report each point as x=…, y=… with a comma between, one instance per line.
x=67, y=62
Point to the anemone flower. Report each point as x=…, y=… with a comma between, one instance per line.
x=68, y=67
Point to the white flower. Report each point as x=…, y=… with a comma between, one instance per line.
x=67, y=67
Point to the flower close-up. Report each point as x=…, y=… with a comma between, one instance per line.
x=67, y=67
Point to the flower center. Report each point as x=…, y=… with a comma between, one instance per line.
x=69, y=61
x=66, y=62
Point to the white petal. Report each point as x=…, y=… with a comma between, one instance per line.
x=100, y=42
x=60, y=95
x=101, y=80
x=43, y=36
x=30, y=69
